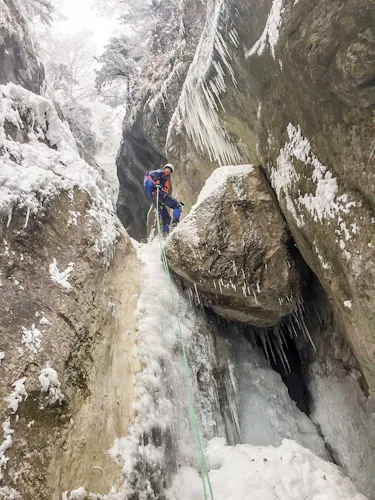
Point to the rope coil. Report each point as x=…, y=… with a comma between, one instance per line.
x=198, y=443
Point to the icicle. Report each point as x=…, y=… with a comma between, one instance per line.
x=10, y=216
x=215, y=285
x=317, y=314
x=265, y=346
x=197, y=294
x=234, y=268
x=27, y=217
x=305, y=329
x=255, y=297
x=258, y=287
x=272, y=352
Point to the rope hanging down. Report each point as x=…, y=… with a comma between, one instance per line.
x=198, y=443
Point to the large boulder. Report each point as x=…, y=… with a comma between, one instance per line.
x=234, y=250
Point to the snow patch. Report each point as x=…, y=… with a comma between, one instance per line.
x=32, y=338
x=18, y=395
x=6, y=444
x=44, y=321
x=63, y=276
x=2, y=356
x=288, y=472
x=50, y=385
x=271, y=31
x=348, y=304
x=219, y=178
x=213, y=186
x=8, y=493
x=323, y=204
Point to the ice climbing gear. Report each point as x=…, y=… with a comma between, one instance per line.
x=201, y=458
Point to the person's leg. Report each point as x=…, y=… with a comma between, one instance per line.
x=166, y=218
x=172, y=203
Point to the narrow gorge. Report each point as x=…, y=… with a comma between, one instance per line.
x=265, y=317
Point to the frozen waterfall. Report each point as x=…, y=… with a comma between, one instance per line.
x=273, y=450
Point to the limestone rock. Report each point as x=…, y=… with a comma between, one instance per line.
x=18, y=61
x=74, y=329
x=233, y=249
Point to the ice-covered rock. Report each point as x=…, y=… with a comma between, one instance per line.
x=233, y=249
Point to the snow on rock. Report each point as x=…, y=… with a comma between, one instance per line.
x=50, y=385
x=9, y=493
x=32, y=338
x=220, y=176
x=288, y=472
x=324, y=204
x=214, y=185
x=2, y=356
x=46, y=162
x=63, y=276
x=270, y=33
x=44, y=321
x=348, y=304
x=78, y=494
x=18, y=395
x=6, y=444
x=199, y=102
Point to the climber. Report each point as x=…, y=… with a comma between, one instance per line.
x=159, y=180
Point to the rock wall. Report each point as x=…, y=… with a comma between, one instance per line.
x=69, y=278
x=18, y=61
x=77, y=329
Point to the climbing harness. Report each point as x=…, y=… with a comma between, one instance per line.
x=198, y=443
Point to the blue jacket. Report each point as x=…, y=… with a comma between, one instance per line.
x=157, y=177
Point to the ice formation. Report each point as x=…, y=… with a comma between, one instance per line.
x=260, y=411
x=288, y=472
x=199, y=104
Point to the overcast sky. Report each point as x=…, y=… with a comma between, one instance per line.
x=80, y=16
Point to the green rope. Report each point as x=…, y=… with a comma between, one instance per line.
x=193, y=418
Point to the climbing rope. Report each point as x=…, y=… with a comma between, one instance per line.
x=198, y=443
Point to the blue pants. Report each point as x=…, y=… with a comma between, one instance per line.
x=164, y=201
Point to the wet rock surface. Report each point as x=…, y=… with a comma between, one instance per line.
x=234, y=250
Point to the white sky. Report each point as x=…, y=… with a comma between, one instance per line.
x=80, y=16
